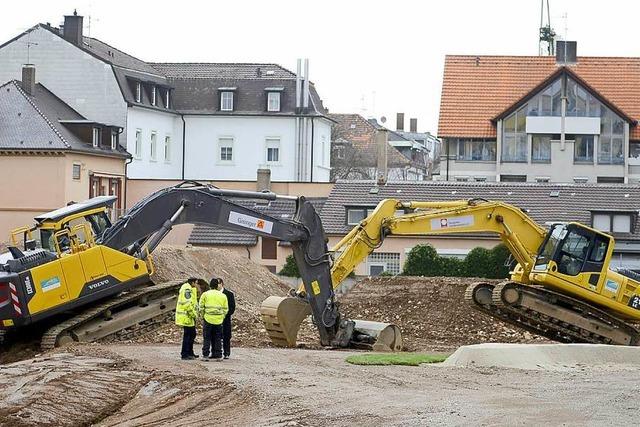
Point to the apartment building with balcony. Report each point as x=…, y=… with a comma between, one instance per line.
x=540, y=119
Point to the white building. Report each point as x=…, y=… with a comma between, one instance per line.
x=183, y=121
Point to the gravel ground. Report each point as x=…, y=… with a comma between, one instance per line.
x=148, y=385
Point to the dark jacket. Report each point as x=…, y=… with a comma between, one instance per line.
x=232, y=303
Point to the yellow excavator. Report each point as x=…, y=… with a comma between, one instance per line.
x=84, y=278
x=561, y=287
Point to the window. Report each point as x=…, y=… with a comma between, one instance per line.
x=541, y=148
x=75, y=172
x=634, y=150
x=610, y=222
x=611, y=140
x=269, y=248
x=226, y=149
x=114, y=140
x=476, y=149
x=273, y=150
x=340, y=152
x=167, y=149
x=167, y=99
x=514, y=137
x=583, y=149
x=138, y=145
x=379, y=262
x=153, y=95
x=355, y=215
x=610, y=180
x=138, y=92
x=513, y=178
x=153, y=151
x=96, y=137
x=273, y=101
x=542, y=179
x=226, y=101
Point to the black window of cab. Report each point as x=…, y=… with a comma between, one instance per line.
x=581, y=250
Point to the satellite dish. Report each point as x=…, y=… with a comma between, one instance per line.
x=383, y=119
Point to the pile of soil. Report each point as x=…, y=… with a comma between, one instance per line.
x=250, y=282
x=430, y=311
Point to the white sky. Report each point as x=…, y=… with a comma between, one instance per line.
x=394, y=49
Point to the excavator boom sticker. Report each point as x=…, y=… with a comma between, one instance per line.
x=251, y=222
x=451, y=222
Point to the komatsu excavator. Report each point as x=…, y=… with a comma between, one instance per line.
x=86, y=278
x=561, y=287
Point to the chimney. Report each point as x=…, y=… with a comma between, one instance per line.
x=400, y=121
x=413, y=125
x=263, y=182
x=381, y=155
x=29, y=78
x=72, y=30
x=566, y=52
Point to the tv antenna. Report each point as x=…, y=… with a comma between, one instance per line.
x=547, y=36
x=29, y=43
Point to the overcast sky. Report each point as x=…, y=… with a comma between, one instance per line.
x=381, y=56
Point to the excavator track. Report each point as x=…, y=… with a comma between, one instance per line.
x=484, y=303
x=556, y=316
x=156, y=302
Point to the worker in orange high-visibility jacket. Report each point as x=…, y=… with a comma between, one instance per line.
x=186, y=315
x=213, y=308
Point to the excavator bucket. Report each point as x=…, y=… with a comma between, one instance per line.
x=282, y=317
x=387, y=335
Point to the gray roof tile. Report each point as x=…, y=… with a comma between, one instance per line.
x=575, y=202
x=33, y=122
x=199, y=70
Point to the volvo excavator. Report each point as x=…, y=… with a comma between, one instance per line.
x=85, y=278
x=561, y=287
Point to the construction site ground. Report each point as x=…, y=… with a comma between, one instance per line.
x=143, y=382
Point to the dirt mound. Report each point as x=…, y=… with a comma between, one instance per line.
x=250, y=282
x=430, y=311
x=108, y=390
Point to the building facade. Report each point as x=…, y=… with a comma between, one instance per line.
x=51, y=155
x=355, y=155
x=540, y=119
x=183, y=121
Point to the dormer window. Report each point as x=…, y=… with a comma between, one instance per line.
x=138, y=92
x=96, y=137
x=226, y=98
x=273, y=101
x=167, y=100
x=611, y=222
x=154, y=92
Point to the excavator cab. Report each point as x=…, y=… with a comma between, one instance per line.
x=573, y=254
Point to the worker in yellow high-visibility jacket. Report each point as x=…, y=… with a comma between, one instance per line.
x=186, y=315
x=213, y=308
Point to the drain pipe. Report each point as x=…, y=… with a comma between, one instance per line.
x=184, y=132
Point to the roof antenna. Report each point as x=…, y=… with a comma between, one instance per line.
x=29, y=43
x=546, y=34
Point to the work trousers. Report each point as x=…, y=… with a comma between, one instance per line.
x=226, y=336
x=188, y=337
x=211, y=340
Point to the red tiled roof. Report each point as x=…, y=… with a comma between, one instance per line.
x=476, y=89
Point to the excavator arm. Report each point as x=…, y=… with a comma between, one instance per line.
x=144, y=226
x=516, y=229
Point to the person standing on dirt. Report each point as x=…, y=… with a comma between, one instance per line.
x=226, y=325
x=214, y=307
x=186, y=315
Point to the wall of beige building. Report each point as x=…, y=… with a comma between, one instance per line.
x=41, y=183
